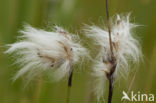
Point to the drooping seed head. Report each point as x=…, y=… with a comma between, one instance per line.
x=39, y=50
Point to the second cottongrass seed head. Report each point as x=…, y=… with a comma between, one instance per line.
x=126, y=49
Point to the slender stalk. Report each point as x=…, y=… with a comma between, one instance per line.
x=70, y=76
x=131, y=84
x=112, y=60
x=109, y=29
x=111, y=82
x=37, y=90
x=68, y=95
x=69, y=83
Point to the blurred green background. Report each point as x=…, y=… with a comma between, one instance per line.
x=71, y=14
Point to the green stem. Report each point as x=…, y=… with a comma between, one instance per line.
x=68, y=95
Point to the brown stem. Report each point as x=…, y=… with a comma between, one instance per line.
x=69, y=83
x=113, y=59
x=70, y=76
x=109, y=30
x=111, y=82
x=110, y=77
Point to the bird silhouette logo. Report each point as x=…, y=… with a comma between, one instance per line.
x=125, y=96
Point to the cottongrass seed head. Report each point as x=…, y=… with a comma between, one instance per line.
x=38, y=51
x=126, y=49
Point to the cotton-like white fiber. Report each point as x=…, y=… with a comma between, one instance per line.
x=126, y=49
x=39, y=50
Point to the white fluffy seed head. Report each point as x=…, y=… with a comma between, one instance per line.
x=39, y=50
x=126, y=49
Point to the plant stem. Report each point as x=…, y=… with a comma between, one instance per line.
x=111, y=82
x=131, y=84
x=109, y=30
x=70, y=76
x=69, y=83
x=37, y=90
x=112, y=60
x=68, y=95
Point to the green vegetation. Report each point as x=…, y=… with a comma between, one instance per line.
x=71, y=14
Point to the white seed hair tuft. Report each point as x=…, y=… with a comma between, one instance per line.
x=126, y=49
x=39, y=50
